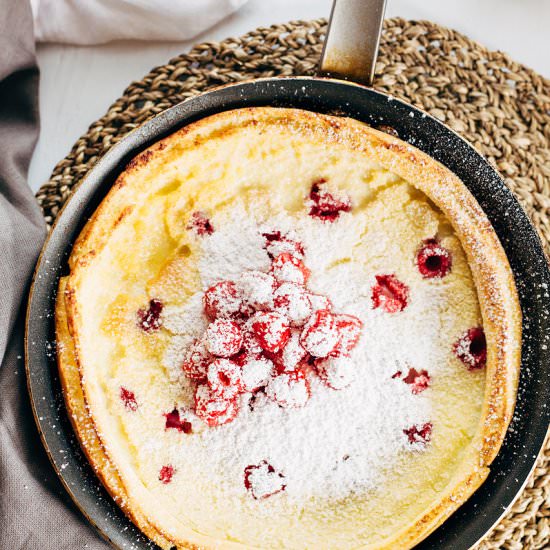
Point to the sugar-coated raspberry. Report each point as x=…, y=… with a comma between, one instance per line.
x=471, y=348
x=256, y=372
x=149, y=319
x=319, y=301
x=292, y=300
x=276, y=243
x=128, y=398
x=336, y=372
x=222, y=300
x=256, y=289
x=289, y=390
x=263, y=481
x=419, y=435
x=223, y=338
x=320, y=334
x=286, y=268
x=433, y=260
x=196, y=360
x=292, y=355
x=166, y=473
x=418, y=380
x=250, y=342
x=349, y=331
x=179, y=421
x=225, y=378
x=390, y=294
x=325, y=205
x=212, y=409
x=200, y=224
x=271, y=330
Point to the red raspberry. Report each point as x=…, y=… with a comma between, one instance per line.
x=214, y=410
x=292, y=355
x=336, y=372
x=223, y=338
x=276, y=243
x=177, y=422
x=129, y=399
x=292, y=300
x=471, y=348
x=286, y=268
x=271, y=329
x=433, y=260
x=349, y=330
x=149, y=319
x=222, y=300
x=200, y=224
x=263, y=481
x=256, y=289
x=196, y=360
x=418, y=435
x=389, y=293
x=250, y=343
x=320, y=334
x=419, y=380
x=225, y=378
x=318, y=301
x=325, y=205
x=289, y=390
x=256, y=372
x=166, y=473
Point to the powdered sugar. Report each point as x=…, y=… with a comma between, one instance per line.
x=340, y=441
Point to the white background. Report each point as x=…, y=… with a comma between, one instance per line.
x=79, y=83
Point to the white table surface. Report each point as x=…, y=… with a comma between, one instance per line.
x=79, y=83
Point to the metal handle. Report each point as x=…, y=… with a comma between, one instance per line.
x=353, y=36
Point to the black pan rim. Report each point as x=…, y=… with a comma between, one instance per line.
x=279, y=91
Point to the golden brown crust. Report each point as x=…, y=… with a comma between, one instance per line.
x=492, y=275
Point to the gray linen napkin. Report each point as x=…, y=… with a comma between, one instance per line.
x=35, y=511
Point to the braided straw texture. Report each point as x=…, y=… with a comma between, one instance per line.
x=500, y=106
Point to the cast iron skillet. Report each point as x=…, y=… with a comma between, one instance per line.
x=523, y=442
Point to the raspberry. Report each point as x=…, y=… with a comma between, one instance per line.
x=214, y=410
x=276, y=244
x=389, y=293
x=256, y=372
x=291, y=356
x=271, y=329
x=349, y=331
x=250, y=342
x=320, y=334
x=177, y=422
x=129, y=399
x=319, y=302
x=222, y=300
x=166, y=473
x=325, y=205
x=433, y=260
x=224, y=378
x=200, y=224
x=418, y=435
x=286, y=268
x=292, y=300
x=256, y=289
x=223, y=338
x=263, y=481
x=471, y=348
x=336, y=372
x=196, y=360
x=149, y=319
x=419, y=381
x=289, y=390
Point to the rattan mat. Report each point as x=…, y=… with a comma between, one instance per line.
x=500, y=106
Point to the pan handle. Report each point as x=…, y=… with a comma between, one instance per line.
x=353, y=36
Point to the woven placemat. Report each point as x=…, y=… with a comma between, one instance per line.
x=500, y=106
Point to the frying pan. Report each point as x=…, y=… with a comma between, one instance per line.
x=349, y=54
